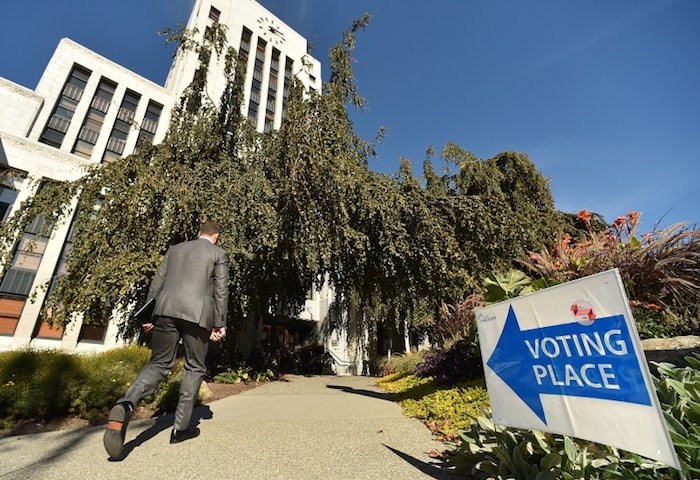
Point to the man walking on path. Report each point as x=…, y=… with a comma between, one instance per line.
x=190, y=290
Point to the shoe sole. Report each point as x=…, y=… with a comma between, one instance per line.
x=116, y=431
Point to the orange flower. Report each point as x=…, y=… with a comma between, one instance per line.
x=584, y=216
x=654, y=307
x=634, y=218
x=619, y=221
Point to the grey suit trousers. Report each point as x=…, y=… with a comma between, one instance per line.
x=166, y=336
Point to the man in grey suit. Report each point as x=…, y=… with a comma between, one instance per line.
x=190, y=290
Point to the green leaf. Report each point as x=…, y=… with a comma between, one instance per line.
x=542, y=441
x=570, y=449
x=550, y=461
x=522, y=468
x=485, y=423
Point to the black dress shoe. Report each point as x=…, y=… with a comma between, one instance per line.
x=177, y=436
x=117, y=422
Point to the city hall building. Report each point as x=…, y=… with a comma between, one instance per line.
x=88, y=110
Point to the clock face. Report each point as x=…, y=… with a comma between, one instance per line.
x=270, y=30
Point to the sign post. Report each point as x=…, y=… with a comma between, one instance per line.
x=568, y=360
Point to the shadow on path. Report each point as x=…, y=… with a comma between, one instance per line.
x=434, y=470
x=63, y=443
x=361, y=391
x=164, y=422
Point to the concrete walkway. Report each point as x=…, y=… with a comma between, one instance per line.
x=303, y=428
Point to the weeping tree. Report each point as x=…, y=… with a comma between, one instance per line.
x=297, y=206
x=130, y=211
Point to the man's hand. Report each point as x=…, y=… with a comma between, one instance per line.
x=217, y=333
x=147, y=327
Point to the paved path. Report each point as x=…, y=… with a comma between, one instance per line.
x=304, y=428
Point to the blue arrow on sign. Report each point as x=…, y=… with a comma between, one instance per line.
x=596, y=361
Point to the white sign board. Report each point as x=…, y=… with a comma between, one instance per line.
x=568, y=360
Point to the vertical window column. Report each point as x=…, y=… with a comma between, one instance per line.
x=244, y=53
x=17, y=281
x=90, y=130
x=149, y=125
x=256, y=86
x=55, y=130
x=272, y=91
x=122, y=127
x=288, y=65
x=244, y=49
x=8, y=195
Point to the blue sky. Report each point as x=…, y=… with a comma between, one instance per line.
x=603, y=96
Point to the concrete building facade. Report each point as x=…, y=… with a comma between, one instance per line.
x=87, y=110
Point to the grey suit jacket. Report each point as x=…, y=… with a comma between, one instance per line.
x=192, y=284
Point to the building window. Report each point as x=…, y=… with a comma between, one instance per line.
x=150, y=123
x=244, y=49
x=92, y=333
x=18, y=279
x=272, y=90
x=44, y=328
x=256, y=86
x=10, y=311
x=214, y=14
x=90, y=130
x=289, y=64
x=122, y=127
x=8, y=195
x=60, y=119
x=61, y=267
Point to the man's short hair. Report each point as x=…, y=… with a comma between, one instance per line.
x=210, y=227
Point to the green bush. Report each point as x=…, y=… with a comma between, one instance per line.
x=37, y=384
x=679, y=394
x=44, y=383
x=240, y=374
x=108, y=375
x=444, y=410
x=168, y=392
x=400, y=365
x=458, y=363
x=489, y=451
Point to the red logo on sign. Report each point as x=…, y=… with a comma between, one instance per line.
x=583, y=312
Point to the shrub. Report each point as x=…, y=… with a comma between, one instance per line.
x=42, y=383
x=444, y=410
x=107, y=377
x=455, y=322
x=400, y=365
x=654, y=322
x=37, y=384
x=447, y=411
x=660, y=270
x=679, y=394
x=489, y=451
x=243, y=373
x=462, y=361
x=168, y=392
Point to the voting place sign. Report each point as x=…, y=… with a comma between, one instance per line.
x=568, y=360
